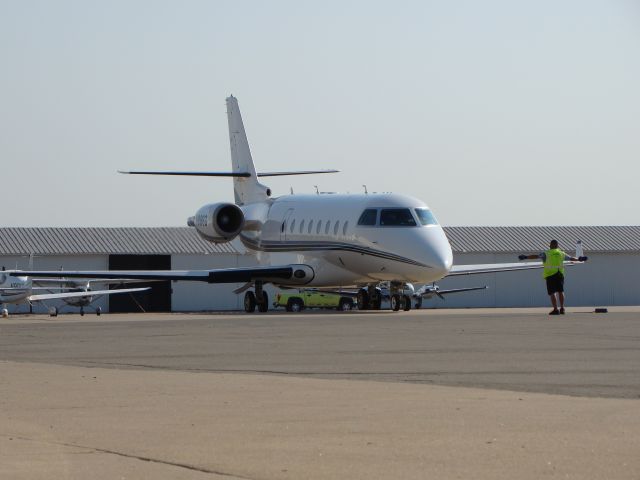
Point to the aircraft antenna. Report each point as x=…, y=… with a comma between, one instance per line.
x=365, y=190
x=317, y=192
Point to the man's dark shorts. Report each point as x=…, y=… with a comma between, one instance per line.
x=555, y=283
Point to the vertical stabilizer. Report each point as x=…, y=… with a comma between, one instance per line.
x=245, y=189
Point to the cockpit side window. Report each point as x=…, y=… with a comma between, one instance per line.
x=396, y=217
x=368, y=217
x=426, y=217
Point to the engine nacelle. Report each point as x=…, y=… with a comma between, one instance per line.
x=218, y=222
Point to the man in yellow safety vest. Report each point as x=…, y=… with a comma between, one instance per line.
x=553, y=273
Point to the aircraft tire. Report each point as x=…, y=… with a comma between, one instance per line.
x=263, y=305
x=376, y=304
x=418, y=304
x=249, y=302
x=395, y=302
x=363, y=299
x=407, y=303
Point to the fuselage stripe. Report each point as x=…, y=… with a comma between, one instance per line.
x=271, y=246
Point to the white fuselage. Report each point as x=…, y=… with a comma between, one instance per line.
x=14, y=289
x=322, y=231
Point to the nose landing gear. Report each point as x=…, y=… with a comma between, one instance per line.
x=370, y=298
x=399, y=299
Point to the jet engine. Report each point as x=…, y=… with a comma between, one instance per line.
x=218, y=222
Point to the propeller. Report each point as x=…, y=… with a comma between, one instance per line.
x=436, y=290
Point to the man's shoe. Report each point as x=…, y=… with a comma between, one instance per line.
x=554, y=312
x=562, y=311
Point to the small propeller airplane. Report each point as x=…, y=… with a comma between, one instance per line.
x=433, y=290
x=314, y=241
x=17, y=286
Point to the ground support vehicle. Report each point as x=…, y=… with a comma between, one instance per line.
x=299, y=300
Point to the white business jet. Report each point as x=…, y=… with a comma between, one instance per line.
x=17, y=287
x=330, y=240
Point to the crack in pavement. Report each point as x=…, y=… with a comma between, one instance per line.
x=135, y=457
x=310, y=373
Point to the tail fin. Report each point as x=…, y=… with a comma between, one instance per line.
x=245, y=189
x=579, y=249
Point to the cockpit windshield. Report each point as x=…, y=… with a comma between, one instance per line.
x=368, y=217
x=426, y=217
x=396, y=217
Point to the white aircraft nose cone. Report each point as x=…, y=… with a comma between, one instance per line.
x=438, y=256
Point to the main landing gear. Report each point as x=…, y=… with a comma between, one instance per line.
x=258, y=299
x=369, y=298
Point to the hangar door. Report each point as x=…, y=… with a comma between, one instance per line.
x=158, y=299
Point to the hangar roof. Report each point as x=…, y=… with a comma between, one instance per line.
x=96, y=241
x=618, y=239
x=184, y=240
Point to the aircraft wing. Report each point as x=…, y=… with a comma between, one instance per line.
x=66, y=283
x=457, y=270
x=89, y=293
x=453, y=290
x=294, y=274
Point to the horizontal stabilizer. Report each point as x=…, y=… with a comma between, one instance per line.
x=227, y=174
x=191, y=174
x=303, y=172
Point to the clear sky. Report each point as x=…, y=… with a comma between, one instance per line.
x=492, y=112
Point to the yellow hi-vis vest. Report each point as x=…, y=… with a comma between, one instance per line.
x=553, y=262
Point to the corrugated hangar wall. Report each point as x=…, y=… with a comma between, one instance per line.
x=199, y=296
x=608, y=278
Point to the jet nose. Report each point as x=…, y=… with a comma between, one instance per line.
x=443, y=258
x=438, y=256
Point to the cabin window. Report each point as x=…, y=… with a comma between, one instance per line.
x=426, y=217
x=344, y=228
x=396, y=217
x=335, y=227
x=292, y=226
x=368, y=217
x=301, y=226
x=326, y=227
x=310, y=227
x=318, y=227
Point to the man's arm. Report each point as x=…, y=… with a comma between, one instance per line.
x=534, y=256
x=542, y=256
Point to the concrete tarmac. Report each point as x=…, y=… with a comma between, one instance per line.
x=421, y=394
